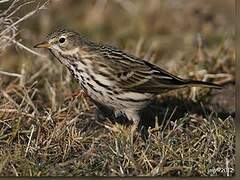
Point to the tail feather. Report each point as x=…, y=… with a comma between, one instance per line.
x=202, y=83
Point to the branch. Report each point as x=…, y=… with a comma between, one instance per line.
x=10, y=74
x=24, y=18
x=26, y=48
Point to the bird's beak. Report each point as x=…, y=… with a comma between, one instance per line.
x=42, y=45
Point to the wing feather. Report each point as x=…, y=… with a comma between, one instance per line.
x=133, y=74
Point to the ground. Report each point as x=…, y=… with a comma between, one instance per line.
x=48, y=129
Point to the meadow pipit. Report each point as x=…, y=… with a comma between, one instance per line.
x=111, y=77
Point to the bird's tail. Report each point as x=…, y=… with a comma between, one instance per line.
x=202, y=83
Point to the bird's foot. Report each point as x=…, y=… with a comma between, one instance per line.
x=76, y=94
x=134, y=134
x=79, y=94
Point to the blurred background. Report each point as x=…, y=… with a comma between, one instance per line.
x=163, y=29
x=193, y=39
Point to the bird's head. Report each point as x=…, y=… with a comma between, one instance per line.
x=63, y=43
x=61, y=40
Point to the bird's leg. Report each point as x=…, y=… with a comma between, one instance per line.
x=84, y=96
x=134, y=129
x=134, y=116
x=76, y=94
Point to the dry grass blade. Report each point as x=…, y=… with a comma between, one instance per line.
x=10, y=74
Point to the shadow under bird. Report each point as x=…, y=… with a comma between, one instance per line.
x=122, y=82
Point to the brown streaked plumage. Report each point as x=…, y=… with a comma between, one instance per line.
x=111, y=77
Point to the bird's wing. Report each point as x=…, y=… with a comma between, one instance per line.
x=149, y=78
x=140, y=76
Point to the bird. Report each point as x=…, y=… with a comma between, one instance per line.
x=109, y=76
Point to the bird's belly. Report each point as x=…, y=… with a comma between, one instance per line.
x=111, y=96
x=121, y=101
x=105, y=92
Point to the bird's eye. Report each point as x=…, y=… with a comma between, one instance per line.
x=62, y=40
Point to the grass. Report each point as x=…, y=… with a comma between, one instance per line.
x=46, y=130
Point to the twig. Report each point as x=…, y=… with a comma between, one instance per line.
x=18, y=8
x=3, y=1
x=10, y=74
x=24, y=18
x=10, y=7
x=25, y=48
